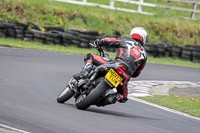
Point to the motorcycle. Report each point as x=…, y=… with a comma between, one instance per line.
x=97, y=86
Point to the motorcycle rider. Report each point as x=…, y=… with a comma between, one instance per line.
x=130, y=51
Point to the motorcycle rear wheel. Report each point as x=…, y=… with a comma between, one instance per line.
x=84, y=101
x=65, y=95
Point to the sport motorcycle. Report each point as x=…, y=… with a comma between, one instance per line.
x=101, y=79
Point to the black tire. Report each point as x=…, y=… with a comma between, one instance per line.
x=19, y=28
x=2, y=25
x=2, y=34
x=186, y=51
x=66, y=41
x=57, y=34
x=75, y=42
x=49, y=39
x=92, y=33
x=19, y=31
x=67, y=36
x=51, y=35
x=65, y=95
x=152, y=54
x=28, y=32
x=10, y=34
x=29, y=35
x=194, y=48
x=38, y=34
x=3, y=30
x=196, y=54
x=175, y=55
x=94, y=95
x=9, y=25
x=88, y=37
x=54, y=28
x=84, y=40
x=57, y=41
x=186, y=57
x=196, y=59
x=176, y=49
x=73, y=32
x=21, y=25
x=19, y=36
x=83, y=45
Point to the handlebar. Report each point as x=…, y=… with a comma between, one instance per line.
x=101, y=52
x=99, y=48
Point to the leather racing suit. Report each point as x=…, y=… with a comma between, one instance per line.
x=129, y=51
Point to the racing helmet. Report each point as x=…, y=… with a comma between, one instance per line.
x=139, y=34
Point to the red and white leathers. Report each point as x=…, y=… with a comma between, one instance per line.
x=129, y=51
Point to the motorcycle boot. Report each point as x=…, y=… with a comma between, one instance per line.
x=84, y=73
x=109, y=99
x=112, y=99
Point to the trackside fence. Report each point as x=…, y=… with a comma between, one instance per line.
x=140, y=4
x=60, y=36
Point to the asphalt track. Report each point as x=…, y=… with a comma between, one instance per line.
x=30, y=81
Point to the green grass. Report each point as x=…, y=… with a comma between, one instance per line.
x=172, y=61
x=187, y=105
x=72, y=49
x=160, y=28
x=50, y=47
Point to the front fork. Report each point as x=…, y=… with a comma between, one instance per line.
x=72, y=83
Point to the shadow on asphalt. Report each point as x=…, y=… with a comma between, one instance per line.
x=117, y=113
x=110, y=112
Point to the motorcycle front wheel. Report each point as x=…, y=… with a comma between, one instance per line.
x=65, y=95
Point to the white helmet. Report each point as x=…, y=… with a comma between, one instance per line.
x=139, y=34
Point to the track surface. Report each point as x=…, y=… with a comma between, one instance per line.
x=31, y=80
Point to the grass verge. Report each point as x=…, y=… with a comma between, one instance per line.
x=189, y=105
x=72, y=49
x=172, y=30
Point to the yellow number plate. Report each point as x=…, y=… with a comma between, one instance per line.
x=113, y=77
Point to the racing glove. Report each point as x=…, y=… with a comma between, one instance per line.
x=97, y=45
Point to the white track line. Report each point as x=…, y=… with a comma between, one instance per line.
x=13, y=129
x=164, y=108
